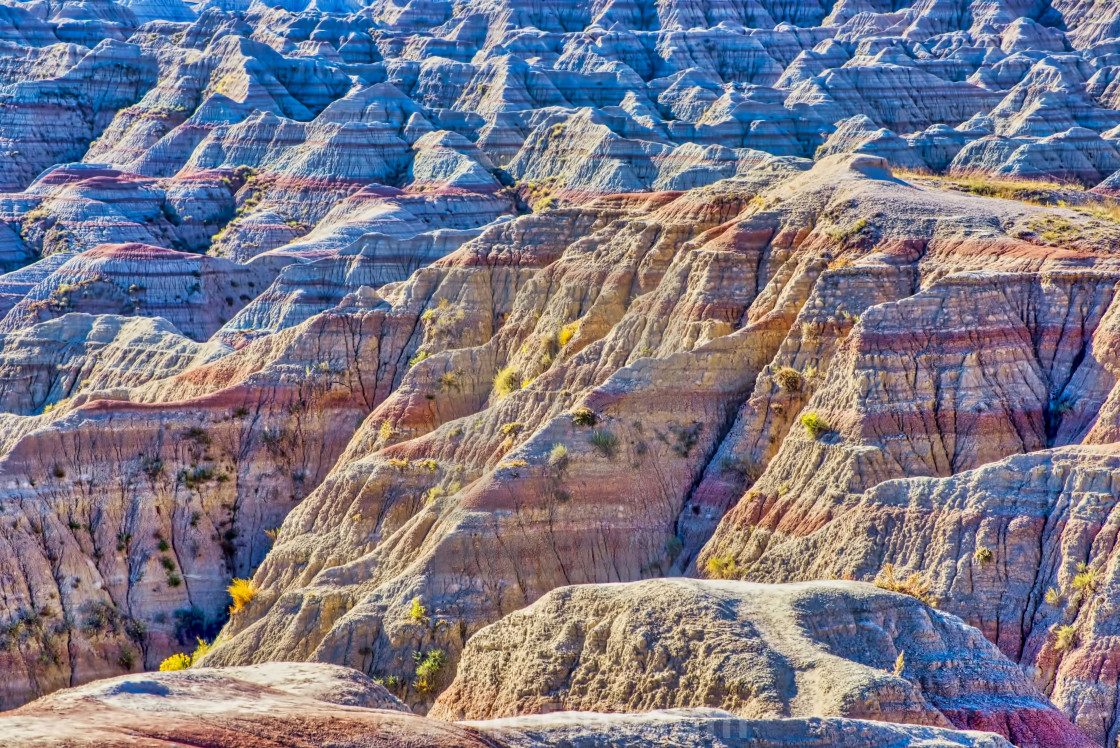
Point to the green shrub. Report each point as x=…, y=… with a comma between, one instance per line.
x=982, y=555
x=197, y=435
x=815, y=425
x=427, y=669
x=417, y=613
x=583, y=416
x=605, y=442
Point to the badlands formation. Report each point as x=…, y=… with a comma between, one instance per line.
x=516, y=373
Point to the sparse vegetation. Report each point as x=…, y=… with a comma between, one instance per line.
x=242, y=592
x=1053, y=229
x=1035, y=191
x=197, y=435
x=915, y=585
x=583, y=416
x=686, y=437
x=605, y=442
x=1065, y=638
x=815, y=425
x=982, y=555
x=852, y=234
x=789, y=379
x=900, y=664
x=427, y=669
x=722, y=567
x=507, y=381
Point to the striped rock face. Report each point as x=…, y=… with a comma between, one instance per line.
x=407, y=318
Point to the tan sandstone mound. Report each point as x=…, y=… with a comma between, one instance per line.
x=279, y=704
x=300, y=705
x=714, y=728
x=798, y=650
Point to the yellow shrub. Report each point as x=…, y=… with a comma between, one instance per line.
x=507, y=381
x=567, y=332
x=242, y=591
x=201, y=650
x=417, y=612
x=180, y=661
x=722, y=567
x=1065, y=638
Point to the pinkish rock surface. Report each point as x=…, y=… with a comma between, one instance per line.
x=414, y=312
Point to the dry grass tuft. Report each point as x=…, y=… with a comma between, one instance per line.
x=242, y=591
x=916, y=585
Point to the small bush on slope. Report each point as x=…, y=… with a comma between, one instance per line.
x=507, y=381
x=605, y=442
x=242, y=591
x=180, y=661
x=914, y=585
x=427, y=668
x=815, y=425
x=789, y=379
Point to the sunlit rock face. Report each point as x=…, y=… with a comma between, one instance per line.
x=418, y=314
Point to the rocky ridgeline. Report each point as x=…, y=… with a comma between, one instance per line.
x=437, y=326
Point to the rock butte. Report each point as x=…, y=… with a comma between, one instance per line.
x=557, y=372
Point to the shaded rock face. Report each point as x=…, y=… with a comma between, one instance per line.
x=821, y=649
